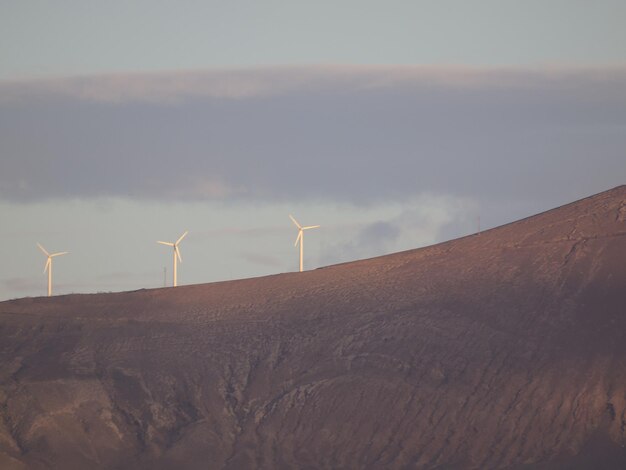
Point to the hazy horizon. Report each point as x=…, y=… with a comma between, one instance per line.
x=123, y=125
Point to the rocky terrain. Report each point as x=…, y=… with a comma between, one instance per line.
x=505, y=349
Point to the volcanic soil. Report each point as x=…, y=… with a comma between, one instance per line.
x=505, y=349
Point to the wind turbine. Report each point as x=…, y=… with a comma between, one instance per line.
x=48, y=266
x=300, y=237
x=176, y=252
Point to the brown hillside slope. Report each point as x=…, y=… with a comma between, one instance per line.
x=500, y=350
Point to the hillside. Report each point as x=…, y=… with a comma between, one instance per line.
x=500, y=350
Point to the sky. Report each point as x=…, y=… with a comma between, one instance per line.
x=393, y=125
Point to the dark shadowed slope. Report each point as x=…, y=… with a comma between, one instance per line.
x=500, y=350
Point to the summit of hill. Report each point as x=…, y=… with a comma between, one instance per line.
x=504, y=349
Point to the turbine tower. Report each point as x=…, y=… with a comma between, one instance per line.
x=176, y=253
x=300, y=237
x=48, y=266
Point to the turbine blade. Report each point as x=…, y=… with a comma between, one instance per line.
x=178, y=253
x=59, y=254
x=47, y=264
x=294, y=221
x=166, y=243
x=43, y=249
x=310, y=226
x=298, y=238
x=181, y=237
